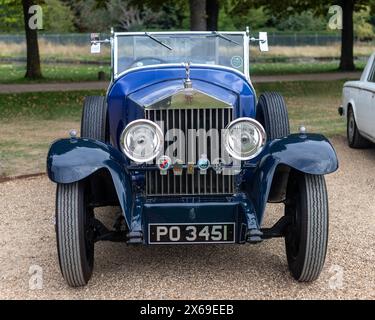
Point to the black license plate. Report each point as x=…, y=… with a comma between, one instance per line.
x=181, y=233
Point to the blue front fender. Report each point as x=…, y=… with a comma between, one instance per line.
x=309, y=153
x=71, y=160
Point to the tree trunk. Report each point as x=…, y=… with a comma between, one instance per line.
x=347, y=36
x=212, y=10
x=197, y=15
x=33, y=70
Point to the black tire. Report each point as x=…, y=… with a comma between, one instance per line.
x=307, y=236
x=94, y=118
x=355, y=140
x=272, y=113
x=74, y=233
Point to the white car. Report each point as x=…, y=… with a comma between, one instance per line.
x=358, y=107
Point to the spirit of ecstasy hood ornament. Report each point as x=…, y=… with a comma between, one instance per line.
x=187, y=83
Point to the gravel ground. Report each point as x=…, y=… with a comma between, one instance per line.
x=195, y=272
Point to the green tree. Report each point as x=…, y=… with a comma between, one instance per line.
x=318, y=7
x=305, y=21
x=172, y=15
x=212, y=12
x=363, y=29
x=127, y=15
x=372, y=13
x=198, y=15
x=197, y=11
x=255, y=18
x=57, y=16
x=10, y=16
x=33, y=70
x=90, y=17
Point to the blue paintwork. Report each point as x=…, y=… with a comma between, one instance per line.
x=310, y=153
x=224, y=84
x=155, y=92
x=71, y=160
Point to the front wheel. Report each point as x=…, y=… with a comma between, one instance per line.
x=75, y=233
x=307, y=234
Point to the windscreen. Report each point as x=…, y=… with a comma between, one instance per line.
x=223, y=49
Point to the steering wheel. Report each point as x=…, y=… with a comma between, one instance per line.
x=145, y=61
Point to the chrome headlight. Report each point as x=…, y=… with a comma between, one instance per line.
x=141, y=140
x=244, y=138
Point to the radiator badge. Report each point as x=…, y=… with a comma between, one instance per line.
x=177, y=167
x=203, y=164
x=190, y=168
x=218, y=165
x=164, y=163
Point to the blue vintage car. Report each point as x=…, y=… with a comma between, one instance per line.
x=182, y=144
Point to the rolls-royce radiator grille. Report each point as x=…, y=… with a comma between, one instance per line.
x=187, y=183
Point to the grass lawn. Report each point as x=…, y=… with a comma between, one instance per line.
x=40, y=106
x=29, y=122
x=312, y=104
x=279, y=68
x=14, y=73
